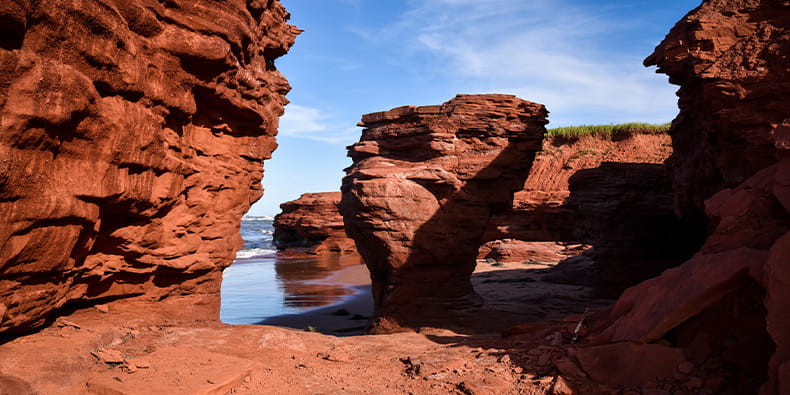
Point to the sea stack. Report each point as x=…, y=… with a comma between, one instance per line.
x=422, y=187
x=312, y=224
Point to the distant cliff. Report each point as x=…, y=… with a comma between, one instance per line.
x=312, y=224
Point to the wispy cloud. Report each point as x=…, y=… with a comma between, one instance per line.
x=316, y=124
x=555, y=52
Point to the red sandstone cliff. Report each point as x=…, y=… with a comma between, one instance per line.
x=131, y=135
x=539, y=212
x=731, y=160
x=313, y=224
x=612, y=193
x=423, y=185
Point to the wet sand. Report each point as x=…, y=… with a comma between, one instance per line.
x=346, y=318
x=513, y=293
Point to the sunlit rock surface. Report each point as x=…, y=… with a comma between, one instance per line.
x=423, y=185
x=731, y=162
x=312, y=224
x=131, y=139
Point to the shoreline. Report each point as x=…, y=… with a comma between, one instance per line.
x=348, y=317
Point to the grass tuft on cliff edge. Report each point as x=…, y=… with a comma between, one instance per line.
x=613, y=132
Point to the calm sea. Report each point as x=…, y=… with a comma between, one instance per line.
x=260, y=284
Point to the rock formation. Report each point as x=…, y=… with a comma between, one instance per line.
x=732, y=161
x=625, y=211
x=424, y=183
x=131, y=135
x=612, y=193
x=539, y=211
x=312, y=224
x=730, y=61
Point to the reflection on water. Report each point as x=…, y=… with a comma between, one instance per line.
x=257, y=288
x=295, y=277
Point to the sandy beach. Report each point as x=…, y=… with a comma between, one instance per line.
x=513, y=293
x=346, y=318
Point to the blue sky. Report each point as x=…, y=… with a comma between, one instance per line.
x=582, y=59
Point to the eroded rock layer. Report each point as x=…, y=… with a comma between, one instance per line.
x=131, y=135
x=425, y=181
x=730, y=59
x=613, y=193
x=539, y=211
x=732, y=160
x=312, y=224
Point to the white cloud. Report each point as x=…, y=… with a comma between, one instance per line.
x=553, y=52
x=315, y=124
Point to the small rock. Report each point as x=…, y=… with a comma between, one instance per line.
x=555, y=338
x=102, y=308
x=694, y=382
x=110, y=357
x=569, y=368
x=504, y=359
x=341, y=312
x=435, y=376
x=714, y=384
x=463, y=388
x=561, y=387
x=686, y=367
x=334, y=357
x=62, y=322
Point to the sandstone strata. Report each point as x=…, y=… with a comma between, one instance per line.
x=539, y=211
x=423, y=185
x=613, y=193
x=312, y=224
x=731, y=161
x=131, y=135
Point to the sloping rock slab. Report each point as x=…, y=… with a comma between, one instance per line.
x=652, y=308
x=627, y=364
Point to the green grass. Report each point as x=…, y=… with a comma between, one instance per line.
x=622, y=130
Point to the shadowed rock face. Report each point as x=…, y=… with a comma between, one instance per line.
x=730, y=59
x=131, y=139
x=313, y=224
x=731, y=159
x=625, y=211
x=612, y=193
x=540, y=211
x=423, y=185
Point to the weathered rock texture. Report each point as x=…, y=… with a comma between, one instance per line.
x=729, y=58
x=539, y=210
x=732, y=159
x=312, y=224
x=612, y=193
x=425, y=181
x=131, y=135
x=625, y=210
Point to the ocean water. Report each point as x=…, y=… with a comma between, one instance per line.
x=257, y=234
x=260, y=284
